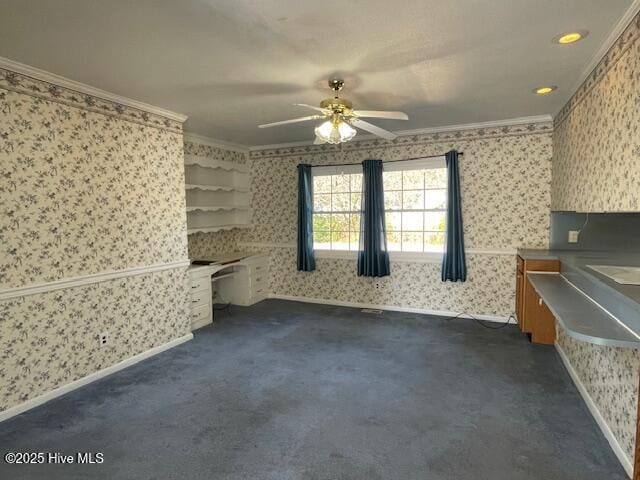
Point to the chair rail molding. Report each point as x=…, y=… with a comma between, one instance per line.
x=405, y=256
x=89, y=279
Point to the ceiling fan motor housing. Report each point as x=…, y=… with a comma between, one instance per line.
x=340, y=106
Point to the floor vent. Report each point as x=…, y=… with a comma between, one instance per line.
x=371, y=310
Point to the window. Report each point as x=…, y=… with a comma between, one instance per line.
x=415, y=195
x=337, y=193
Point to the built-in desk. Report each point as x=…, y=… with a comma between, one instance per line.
x=239, y=279
x=580, y=316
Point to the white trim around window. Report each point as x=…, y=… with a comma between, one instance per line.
x=410, y=257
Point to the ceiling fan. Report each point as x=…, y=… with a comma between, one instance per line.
x=340, y=118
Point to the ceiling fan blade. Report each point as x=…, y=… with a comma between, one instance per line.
x=380, y=132
x=326, y=111
x=293, y=120
x=381, y=114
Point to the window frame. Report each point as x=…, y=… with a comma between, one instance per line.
x=337, y=170
x=404, y=165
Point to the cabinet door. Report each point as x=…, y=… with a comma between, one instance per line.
x=544, y=329
x=539, y=321
x=530, y=306
x=519, y=299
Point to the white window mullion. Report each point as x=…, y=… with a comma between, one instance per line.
x=353, y=231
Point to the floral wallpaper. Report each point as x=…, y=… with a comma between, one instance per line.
x=610, y=376
x=489, y=289
x=51, y=339
x=88, y=186
x=596, y=147
x=84, y=192
x=496, y=170
x=215, y=153
x=596, y=167
x=206, y=244
x=505, y=176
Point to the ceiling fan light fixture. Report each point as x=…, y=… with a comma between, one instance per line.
x=335, y=132
x=340, y=119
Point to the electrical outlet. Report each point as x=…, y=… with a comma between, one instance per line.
x=103, y=338
x=573, y=236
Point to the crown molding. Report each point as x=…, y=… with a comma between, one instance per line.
x=69, y=84
x=424, y=131
x=212, y=142
x=509, y=122
x=615, y=33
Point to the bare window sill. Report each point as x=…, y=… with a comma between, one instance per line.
x=410, y=257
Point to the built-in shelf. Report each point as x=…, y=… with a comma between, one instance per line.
x=206, y=162
x=218, y=228
x=217, y=193
x=214, y=188
x=215, y=208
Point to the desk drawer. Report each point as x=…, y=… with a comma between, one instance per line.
x=259, y=291
x=259, y=282
x=200, y=313
x=201, y=297
x=200, y=283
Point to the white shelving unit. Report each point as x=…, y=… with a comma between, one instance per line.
x=217, y=194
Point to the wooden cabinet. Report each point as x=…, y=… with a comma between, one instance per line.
x=534, y=317
x=520, y=293
x=540, y=321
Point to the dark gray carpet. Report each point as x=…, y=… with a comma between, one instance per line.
x=285, y=390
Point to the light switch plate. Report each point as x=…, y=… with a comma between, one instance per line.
x=573, y=236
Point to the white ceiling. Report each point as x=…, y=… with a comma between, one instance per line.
x=231, y=65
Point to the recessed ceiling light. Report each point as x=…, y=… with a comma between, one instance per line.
x=545, y=90
x=570, y=37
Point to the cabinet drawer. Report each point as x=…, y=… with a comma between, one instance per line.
x=542, y=266
x=201, y=297
x=200, y=313
x=200, y=283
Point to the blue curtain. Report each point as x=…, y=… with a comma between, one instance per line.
x=373, y=258
x=306, y=260
x=454, y=265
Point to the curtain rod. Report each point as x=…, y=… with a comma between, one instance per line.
x=384, y=161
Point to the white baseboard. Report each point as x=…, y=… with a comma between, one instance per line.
x=34, y=402
x=626, y=462
x=201, y=323
x=393, y=308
